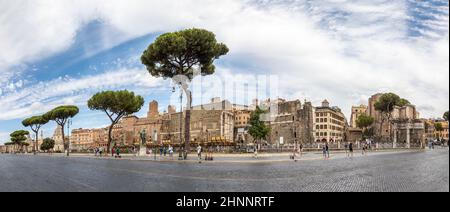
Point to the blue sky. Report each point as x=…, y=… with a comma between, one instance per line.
x=64, y=51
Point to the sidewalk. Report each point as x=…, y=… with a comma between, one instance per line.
x=240, y=158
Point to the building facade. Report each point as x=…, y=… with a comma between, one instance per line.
x=405, y=129
x=329, y=123
x=160, y=128
x=206, y=126
x=57, y=137
x=292, y=124
x=441, y=135
x=357, y=111
x=242, y=124
x=81, y=139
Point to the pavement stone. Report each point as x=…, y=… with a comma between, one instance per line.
x=418, y=171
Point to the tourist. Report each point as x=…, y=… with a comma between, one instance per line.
x=199, y=152
x=171, y=152
x=294, y=154
x=324, y=151
x=100, y=151
x=117, y=152
x=350, y=149
x=165, y=151
x=346, y=149
x=301, y=150
x=161, y=151
x=327, y=150
x=113, y=151
x=364, y=149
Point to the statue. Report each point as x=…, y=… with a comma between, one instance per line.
x=143, y=137
x=143, y=147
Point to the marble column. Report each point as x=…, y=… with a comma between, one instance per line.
x=395, y=137
x=408, y=136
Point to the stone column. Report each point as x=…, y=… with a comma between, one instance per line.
x=395, y=137
x=408, y=136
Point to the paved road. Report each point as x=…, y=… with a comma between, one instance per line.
x=407, y=171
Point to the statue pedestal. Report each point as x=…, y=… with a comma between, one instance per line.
x=142, y=151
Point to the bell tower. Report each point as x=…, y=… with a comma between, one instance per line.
x=153, y=110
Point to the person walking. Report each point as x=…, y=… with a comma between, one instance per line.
x=324, y=152
x=165, y=151
x=171, y=152
x=350, y=149
x=346, y=149
x=113, y=151
x=301, y=150
x=363, y=149
x=118, y=152
x=294, y=154
x=327, y=150
x=199, y=153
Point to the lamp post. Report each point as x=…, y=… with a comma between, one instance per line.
x=42, y=137
x=211, y=148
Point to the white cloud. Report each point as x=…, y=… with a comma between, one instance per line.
x=4, y=137
x=336, y=49
x=42, y=97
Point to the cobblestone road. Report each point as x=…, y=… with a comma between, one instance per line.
x=407, y=171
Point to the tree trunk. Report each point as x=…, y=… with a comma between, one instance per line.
x=36, y=142
x=381, y=129
x=66, y=146
x=187, y=133
x=390, y=129
x=187, y=121
x=109, y=138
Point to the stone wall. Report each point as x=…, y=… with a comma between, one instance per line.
x=294, y=123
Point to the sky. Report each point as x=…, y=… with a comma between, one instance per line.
x=59, y=52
